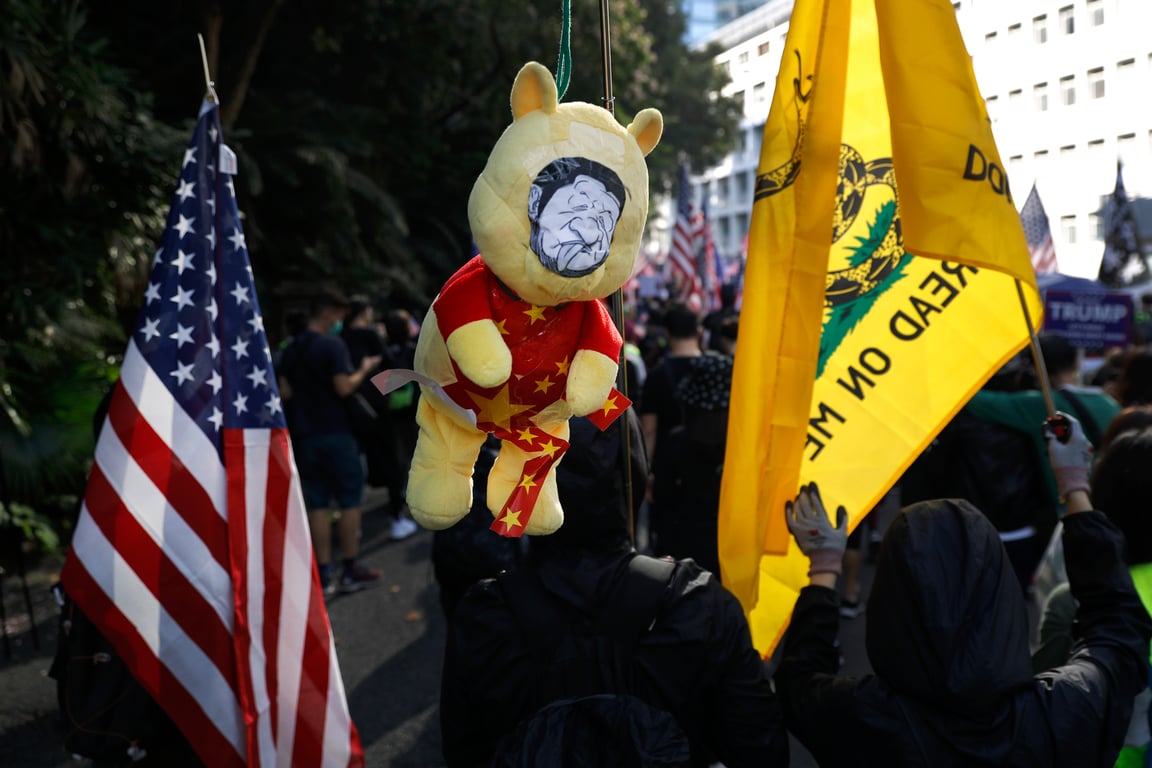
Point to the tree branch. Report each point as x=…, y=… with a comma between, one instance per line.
x=231, y=110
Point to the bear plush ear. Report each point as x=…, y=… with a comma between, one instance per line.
x=647, y=128
x=535, y=88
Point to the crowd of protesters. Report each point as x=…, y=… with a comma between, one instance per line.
x=554, y=638
x=949, y=639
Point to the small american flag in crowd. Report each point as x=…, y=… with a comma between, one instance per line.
x=192, y=553
x=1038, y=234
x=686, y=241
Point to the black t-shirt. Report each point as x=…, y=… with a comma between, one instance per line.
x=309, y=363
x=659, y=396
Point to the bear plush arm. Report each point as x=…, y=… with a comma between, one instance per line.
x=595, y=365
x=464, y=316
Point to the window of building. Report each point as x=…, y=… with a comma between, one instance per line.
x=762, y=50
x=741, y=226
x=1068, y=228
x=1067, y=20
x=1067, y=151
x=1125, y=144
x=1096, y=223
x=1014, y=99
x=1096, y=83
x=742, y=58
x=1068, y=90
x=1040, y=29
x=956, y=6
x=739, y=98
x=759, y=93
x=743, y=142
x=1125, y=72
x=1014, y=33
x=1015, y=163
x=1095, y=151
x=992, y=104
x=1040, y=97
x=990, y=39
x=1095, y=10
x=741, y=192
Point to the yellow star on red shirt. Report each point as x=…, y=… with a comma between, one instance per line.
x=534, y=313
x=500, y=327
x=562, y=367
x=511, y=518
x=527, y=482
x=497, y=410
x=550, y=448
x=543, y=384
x=526, y=435
x=609, y=405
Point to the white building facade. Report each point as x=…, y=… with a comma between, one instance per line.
x=1068, y=84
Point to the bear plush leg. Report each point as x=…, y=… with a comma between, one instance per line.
x=547, y=515
x=440, y=480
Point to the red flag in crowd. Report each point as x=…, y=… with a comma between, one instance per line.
x=192, y=552
x=686, y=242
x=707, y=267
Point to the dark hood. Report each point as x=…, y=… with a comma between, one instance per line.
x=946, y=618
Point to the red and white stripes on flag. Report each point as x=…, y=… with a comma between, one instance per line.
x=1038, y=233
x=687, y=237
x=192, y=553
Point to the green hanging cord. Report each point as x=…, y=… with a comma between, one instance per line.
x=564, y=65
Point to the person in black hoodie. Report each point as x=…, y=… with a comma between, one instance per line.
x=947, y=638
x=693, y=659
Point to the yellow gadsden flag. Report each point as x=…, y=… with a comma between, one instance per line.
x=886, y=277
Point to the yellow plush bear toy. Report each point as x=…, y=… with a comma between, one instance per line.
x=518, y=340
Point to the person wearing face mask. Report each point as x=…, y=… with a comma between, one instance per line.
x=315, y=377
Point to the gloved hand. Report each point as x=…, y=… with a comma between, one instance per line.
x=1071, y=460
x=814, y=533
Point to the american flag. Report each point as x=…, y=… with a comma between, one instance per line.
x=686, y=241
x=1038, y=234
x=706, y=261
x=192, y=552
x=1121, y=245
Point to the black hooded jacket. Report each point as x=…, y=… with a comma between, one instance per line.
x=953, y=684
x=695, y=661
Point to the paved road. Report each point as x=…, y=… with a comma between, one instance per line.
x=389, y=640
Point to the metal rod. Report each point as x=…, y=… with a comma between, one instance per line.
x=616, y=299
x=210, y=91
x=606, y=51
x=1037, y=354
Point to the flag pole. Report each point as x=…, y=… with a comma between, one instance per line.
x=210, y=90
x=1037, y=354
x=616, y=299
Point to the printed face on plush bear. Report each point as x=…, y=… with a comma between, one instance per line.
x=559, y=211
x=573, y=207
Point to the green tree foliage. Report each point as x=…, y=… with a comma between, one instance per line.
x=366, y=123
x=360, y=127
x=80, y=207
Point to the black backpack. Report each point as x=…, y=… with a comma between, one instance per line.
x=587, y=713
x=107, y=715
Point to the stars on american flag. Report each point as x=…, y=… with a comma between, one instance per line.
x=201, y=329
